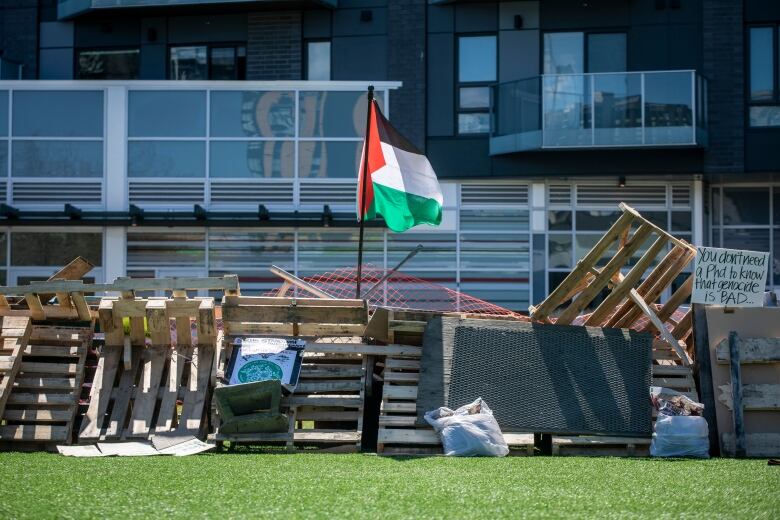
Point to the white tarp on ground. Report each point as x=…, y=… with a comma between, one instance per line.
x=176, y=446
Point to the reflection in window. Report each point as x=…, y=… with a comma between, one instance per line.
x=170, y=113
x=668, y=108
x=3, y=158
x=166, y=159
x=52, y=113
x=318, y=61
x=745, y=206
x=252, y=114
x=320, y=251
x=328, y=159
x=55, y=249
x=256, y=159
x=476, y=72
x=189, y=63
x=3, y=112
x=57, y=159
x=253, y=249
x=215, y=62
x=607, y=52
x=146, y=248
x=563, y=53
x=334, y=114
x=764, y=97
x=108, y=64
x=617, y=108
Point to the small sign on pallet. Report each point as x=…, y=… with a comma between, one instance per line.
x=263, y=359
x=729, y=277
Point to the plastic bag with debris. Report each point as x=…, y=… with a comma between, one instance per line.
x=680, y=436
x=469, y=431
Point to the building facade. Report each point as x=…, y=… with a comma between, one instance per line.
x=199, y=137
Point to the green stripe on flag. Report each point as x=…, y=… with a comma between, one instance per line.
x=402, y=210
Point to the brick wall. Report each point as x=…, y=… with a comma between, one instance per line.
x=406, y=62
x=274, y=46
x=723, y=59
x=19, y=34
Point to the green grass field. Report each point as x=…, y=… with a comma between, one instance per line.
x=233, y=485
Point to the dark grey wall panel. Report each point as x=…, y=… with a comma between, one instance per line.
x=518, y=55
x=441, y=18
x=359, y=58
x=197, y=29
x=346, y=22
x=684, y=47
x=153, y=61
x=648, y=47
x=762, y=10
x=362, y=3
x=108, y=32
x=157, y=28
x=316, y=24
x=529, y=11
x=56, y=63
x=477, y=17
x=761, y=150
x=460, y=157
x=441, y=88
x=55, y=34
x=578, y=15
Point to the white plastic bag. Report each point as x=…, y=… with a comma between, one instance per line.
x=680, y=436
x=469, y=431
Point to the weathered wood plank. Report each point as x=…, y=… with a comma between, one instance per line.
x=752, y=350
x=754, y=397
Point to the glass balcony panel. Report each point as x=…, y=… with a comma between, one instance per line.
x=252, y=159
x=53, y=113
x=617, y=100
x=155, y=113
x=329, y=159
x=3, y=158
x=252, y=114
x=3, y=112
x=668, y=108
x=161, y=159
x=57, y=159
x=567, y=111
x=322, y=113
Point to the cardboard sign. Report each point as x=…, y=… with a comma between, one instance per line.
x=255, y=360
x=729, y=277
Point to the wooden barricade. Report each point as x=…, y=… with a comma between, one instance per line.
x=326, y=408
x=138, y=381
x=14, y=333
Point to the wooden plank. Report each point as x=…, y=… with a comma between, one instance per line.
x=39, y=415
x=74, y=270
x=322, y=400
x=397, y=420
x=313, y=414
x=752, y=350
x=360, y=348
x=34, y=304
x=658, y=230
x=621, y=290
x=754, y=396
x=58, y=334
x=684, y=327
x=193, y=403
x=313, y=371
x=234, y=301
x=295, y=314
x=115, y=427
x=756, y=444
x=665, y=334
x=397, y=377
x=180, y=356
x=16, y=332
x=60, y=351
x=206, y=324
x=605, y=275
x=17, y=398
x=585, y=440
x=34, y=433
x=28, y=367
x=46, y=383
x=100, y=394
x=406, y=407
x=736, y=396
x=330, y=386
x=226, y=283
x=399, y=392
x=301, y=284
x=152, y=365
x=81, y=306
x=410, y=364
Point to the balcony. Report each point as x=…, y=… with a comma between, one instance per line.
x=658, y=109
x=70, y=8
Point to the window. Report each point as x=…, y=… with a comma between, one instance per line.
x=476, y=72
x=108, y=64
x=577, y=53
x=763, y=95
x=215, y=62
x=318, y=60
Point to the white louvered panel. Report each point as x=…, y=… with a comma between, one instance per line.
x=58, y=191
x=238, y=193
x=559, y=195
x=494, y=194
x=328, y=193
x=600, y=194
x=3, y=191
x=172, y=192
x=681, y=195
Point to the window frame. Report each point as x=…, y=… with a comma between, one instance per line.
x=77, y=53
x=305, y=53
x=775, y=101
x=467, y=84
x=209, y=49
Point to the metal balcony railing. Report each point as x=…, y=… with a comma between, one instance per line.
x=600, y=110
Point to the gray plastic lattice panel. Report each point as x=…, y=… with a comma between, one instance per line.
x=540, y=378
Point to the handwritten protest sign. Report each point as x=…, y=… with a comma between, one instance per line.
x=729, y=277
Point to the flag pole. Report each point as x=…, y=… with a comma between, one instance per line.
x=363, y=181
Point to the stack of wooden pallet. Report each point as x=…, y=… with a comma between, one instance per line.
x=327, y=406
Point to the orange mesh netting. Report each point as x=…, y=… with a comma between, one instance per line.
x=399, y=291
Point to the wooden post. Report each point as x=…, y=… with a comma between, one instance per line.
x=736, y=396
x=702, y=372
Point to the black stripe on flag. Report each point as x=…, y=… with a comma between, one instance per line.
x=389, y=135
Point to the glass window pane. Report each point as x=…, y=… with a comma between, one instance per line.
x=223, y=63
x=596, y=220
x=474, y=123
x=438, y=250
x=53, y=113
x=329, y=159
x=3, y=158
x=668, y=108
x=559, y=254
x=252, y=114
x=321, y=251
x=584, y=242
x=681, y=221
x=318, y=61
x=171, y=113
x=507, y=289
x=563, y=53
x=166, y=159
x=189, y=63
x=252, y=159
x=749, y=239
x=57, y=159
x=55, y=249
x=745, y=206
x=3, y=249
x=607, y=52
x=150, y=249
x=559, y=220
x=483, y=250
x=256, y=249
x=765, y=116
x=327, y=114
x=762, y=63
x=474, y=97
x=3, y=112
x=494, y=220
x=618, y=109
x=476, y=58
x=108, y=64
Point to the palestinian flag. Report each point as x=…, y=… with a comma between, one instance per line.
x=401, y=185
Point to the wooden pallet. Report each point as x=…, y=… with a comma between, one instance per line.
x=138, y=383
x=44, y=401
x=327, y=406
x=14, y=333
x=632, y=296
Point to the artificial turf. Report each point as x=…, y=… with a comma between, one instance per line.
x=253, y=485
